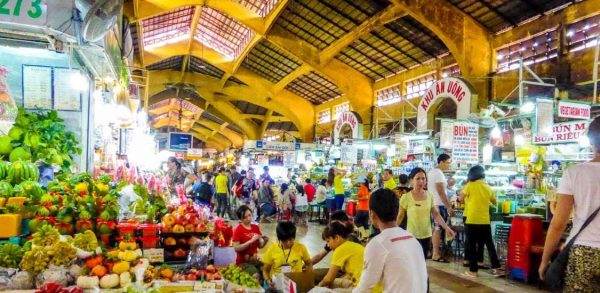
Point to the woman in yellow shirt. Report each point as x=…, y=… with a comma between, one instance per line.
x=287, y=255
x=334, y=178
x=478, y=196
x=417, y=205
x=347, y=256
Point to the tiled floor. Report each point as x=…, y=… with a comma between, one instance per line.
x=443, y=277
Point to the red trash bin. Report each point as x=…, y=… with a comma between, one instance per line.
x=351, y=208
x=527, y=230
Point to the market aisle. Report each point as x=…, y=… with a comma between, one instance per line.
x=444, y=277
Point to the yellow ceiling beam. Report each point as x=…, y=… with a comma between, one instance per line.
x=260, y=92
x=468, y=41
x=279, y=119
x=265, y=123
x=206, y=136
x=413, y=73
x=303, y=69
x=235, y=138
x=240, y=59
x=252, y=116
x=274, y=14
x=391, y=13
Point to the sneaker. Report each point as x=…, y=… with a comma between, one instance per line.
x=470, y=275
x=497, y=272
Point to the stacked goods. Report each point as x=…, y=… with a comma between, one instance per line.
x=209, y=274
x=180, y=228
x=237, y=276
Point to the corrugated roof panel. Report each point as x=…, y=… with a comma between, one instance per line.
x=168, y=27
x=222, y=33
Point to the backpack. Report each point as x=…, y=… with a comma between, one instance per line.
x=238, y=187
x=204, y=192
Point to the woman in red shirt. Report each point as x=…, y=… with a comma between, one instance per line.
x=362, y=210
x=247, y=239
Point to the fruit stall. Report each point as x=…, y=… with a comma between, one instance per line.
x=65, y=232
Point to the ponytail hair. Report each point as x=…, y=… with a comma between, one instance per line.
x=337, y=229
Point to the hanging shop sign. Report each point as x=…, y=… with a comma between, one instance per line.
x=289, y=159
x=574, y=110
x=465, y=147
x=563, y=132
x=351, y=119
x=349, y=154
x=450, y=87
x=179, y=142
x=33, y=12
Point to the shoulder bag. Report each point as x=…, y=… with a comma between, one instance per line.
x=554, y=277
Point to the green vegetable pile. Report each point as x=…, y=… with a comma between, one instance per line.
x=40, y=136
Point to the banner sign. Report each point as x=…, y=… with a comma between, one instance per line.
x=574, y=110
x=449, y=87
x=194, y=152
x=563, y=132
x=351, y=119
x=465, y=148
x=33, y=12
x=179, y=142
x=349, y=154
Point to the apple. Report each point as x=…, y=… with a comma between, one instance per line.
x=211, y=269
x=180, y=220
x=217, y=276
x=209, y=277
x=191, y=219
x=178, y=229
x=168, y=220
x=200, y=228
x=179, y=253
x=181, y=241
x=190, y=277
x=189, y=228
x=170, y=241
x=166, y=229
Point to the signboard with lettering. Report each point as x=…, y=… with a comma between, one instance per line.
x=154, y=255
x=33, y=12
x=465, y=148
x=350, y=119
x=563, y=132
x=574, y=110
x=179, y=142
x=450, y=87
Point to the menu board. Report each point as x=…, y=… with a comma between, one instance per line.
x=446, y=134
x=465, y=148
x=349, y=154
x=37, y=87
x=65, y=97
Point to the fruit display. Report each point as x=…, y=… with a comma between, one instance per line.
x=10, y=255
x=237, y=276
x=20, y=171
x=46, y=236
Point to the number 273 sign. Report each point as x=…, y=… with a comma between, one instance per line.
x=33, y=12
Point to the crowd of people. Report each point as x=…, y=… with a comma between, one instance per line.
x=410, y=220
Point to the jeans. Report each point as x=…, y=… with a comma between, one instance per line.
x=362, y=219
x=425, y=245
x=267, y=210
x=223, y=205
x=477, y=237
x=338, y=202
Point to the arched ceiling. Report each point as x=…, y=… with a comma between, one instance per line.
x=257, y=67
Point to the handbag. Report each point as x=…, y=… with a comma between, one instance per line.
x=554, y=277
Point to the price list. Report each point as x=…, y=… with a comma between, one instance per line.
x=465, y=148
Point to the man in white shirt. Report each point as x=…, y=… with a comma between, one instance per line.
x=436, y=184
x=394, y=258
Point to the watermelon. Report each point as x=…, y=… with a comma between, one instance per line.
x=5, y=189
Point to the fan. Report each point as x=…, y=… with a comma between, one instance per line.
x=484, y=118
x=99, y=17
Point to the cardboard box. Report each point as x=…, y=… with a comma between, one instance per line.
x=298, y=282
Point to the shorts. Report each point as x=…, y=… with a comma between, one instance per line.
x=444, y=214
x=301, y=209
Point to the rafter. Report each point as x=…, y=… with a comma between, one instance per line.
x=391, y=13
x=265, y=123
x=252, y=116
x=209, y=136
x=301, y=70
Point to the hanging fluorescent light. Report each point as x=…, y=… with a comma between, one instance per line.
x=496, y=132
x=527, y=107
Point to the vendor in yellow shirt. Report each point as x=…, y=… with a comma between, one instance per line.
x=287, y=255
x=347, y=257
x=334, y=178
x=388, y=180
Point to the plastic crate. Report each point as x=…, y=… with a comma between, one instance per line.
x=148, y=230
x=13, y=240
x=150, y=242
x=127, y=229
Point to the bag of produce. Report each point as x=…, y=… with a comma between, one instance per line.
x=199, y=255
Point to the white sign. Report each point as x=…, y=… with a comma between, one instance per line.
x=65, y=97
x=349, y=154
x=278, y=146
x=154, y=255
x=37, y=87
x=446, y=134
x=563, y=132
x=33, y=12
x=465, y=148
x=347, y=118
x=544, y=116
x=574, y=110
x=449, y=87
x=194, y=152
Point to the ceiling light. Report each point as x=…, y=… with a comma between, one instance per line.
x=445, y=74
x=499, y=57
x=586, y=27
x=570, y=33
x=526, y=108
x=535, y=44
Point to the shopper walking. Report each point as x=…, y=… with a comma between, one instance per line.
x=321, y=195
x=392, y=257
x=478, y=196
x=578, y=189
x=309, y=190
x=222, y=192
x=203, y=191
x=265, y=201
x=286, y=202
x=437, y=186
x=418, y=207
x=265, y=175
x=334, y=178
x=362, y=210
